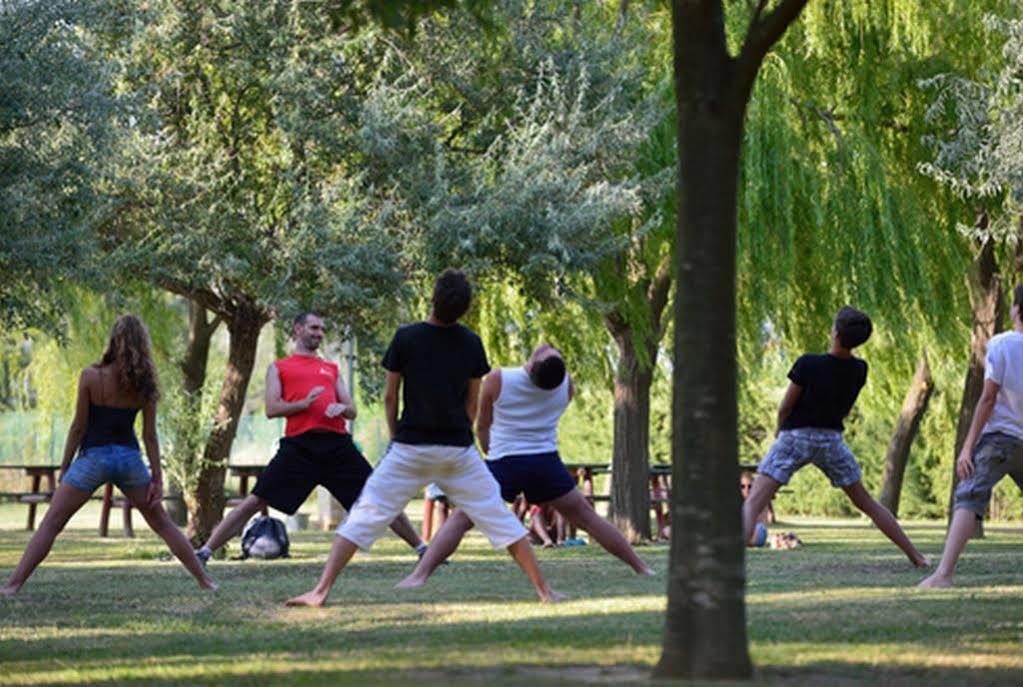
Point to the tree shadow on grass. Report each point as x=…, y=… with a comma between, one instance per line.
x=822, y=674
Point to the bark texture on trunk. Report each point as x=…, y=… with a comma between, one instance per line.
x=193, y=372
x=705, y=630
x=913, y=408
x=197, y=355
x=988, y=304
x=206, y=506
x=630, y=461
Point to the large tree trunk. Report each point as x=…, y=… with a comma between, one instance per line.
x=197, y=355
x=705, y=633
x=705, y=630
x=206, y=506
x=988, y=305
x=193, y=372
x=630, y=460
x=913, y=409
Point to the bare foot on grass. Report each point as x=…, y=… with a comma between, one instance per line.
x=9, y=590
x=313, y=599
x=936, y=581
x=411, y=582
x=209, y=585
x=922, y=563
x=553, y=597
x=646, y=572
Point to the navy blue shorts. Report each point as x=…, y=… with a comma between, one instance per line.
x=542, y=477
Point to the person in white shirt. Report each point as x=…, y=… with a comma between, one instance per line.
x=998, y=422
x=517, y=427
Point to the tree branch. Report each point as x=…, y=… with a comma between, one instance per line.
x=657, y=296
x=764, y=31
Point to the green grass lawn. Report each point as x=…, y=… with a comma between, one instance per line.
x=842, y=611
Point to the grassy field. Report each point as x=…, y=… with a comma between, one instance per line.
x=842, y=611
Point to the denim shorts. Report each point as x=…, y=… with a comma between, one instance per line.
x=995, y=456
x=97, y=465
x=825, y=448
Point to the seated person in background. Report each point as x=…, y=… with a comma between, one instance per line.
x=761, y=535
x=441, y=505
x=546, y=525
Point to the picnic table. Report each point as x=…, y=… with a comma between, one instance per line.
x=244, y=473
x=37, y=495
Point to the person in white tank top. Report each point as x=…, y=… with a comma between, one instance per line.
x=517, y=426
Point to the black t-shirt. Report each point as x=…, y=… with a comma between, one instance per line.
x=830, y=387
x=436, y=364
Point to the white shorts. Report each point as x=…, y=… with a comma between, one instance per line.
x=406, y=468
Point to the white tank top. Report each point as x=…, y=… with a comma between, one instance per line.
x=525, y=416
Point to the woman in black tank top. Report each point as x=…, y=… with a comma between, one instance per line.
x=110, y=396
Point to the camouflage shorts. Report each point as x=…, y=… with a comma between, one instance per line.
x=825, y=448
x=995, y=456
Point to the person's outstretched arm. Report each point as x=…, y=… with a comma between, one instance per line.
x=981, y=414
x=152, y=443
x=485, y=418
x=788, y=403
x=276, y=406
x=392, y=387
x=77, y=430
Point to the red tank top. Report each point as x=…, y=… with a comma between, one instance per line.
x=299, y=375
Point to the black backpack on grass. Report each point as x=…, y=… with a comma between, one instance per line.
x=265, y=538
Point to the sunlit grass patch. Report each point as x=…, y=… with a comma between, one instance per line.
x=843, y=610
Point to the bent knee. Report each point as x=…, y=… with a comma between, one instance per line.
x=459, y=519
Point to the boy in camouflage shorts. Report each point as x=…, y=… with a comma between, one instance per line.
x=998, y=421
x=821, y=393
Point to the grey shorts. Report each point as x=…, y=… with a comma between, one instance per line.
x=825, y=448
x=995, y=456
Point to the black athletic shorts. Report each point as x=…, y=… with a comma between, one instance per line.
x=542, y=477
x=306, y=460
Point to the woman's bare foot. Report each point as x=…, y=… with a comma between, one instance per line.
x=553, y=597
x=922, y=563
x=411, y=582
x=209, y=585
x=647, y=571
x=936, y=581
x=9, y=590
x=312, y=598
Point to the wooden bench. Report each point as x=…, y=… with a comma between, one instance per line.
x=110, y=500
x=36, y=496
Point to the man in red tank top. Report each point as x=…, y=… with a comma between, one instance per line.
x=317, y=448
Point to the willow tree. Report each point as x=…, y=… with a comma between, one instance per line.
x=833, y=210
x=982, y=162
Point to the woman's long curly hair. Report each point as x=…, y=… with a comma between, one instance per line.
x=130, y=351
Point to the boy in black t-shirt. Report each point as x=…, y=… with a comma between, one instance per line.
x=821, y=393
x=437, y=366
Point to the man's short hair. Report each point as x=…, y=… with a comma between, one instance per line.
x=1017, y=296
x=853, y=327
x=548, y=373
x=452, y=295
x=301, y=318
